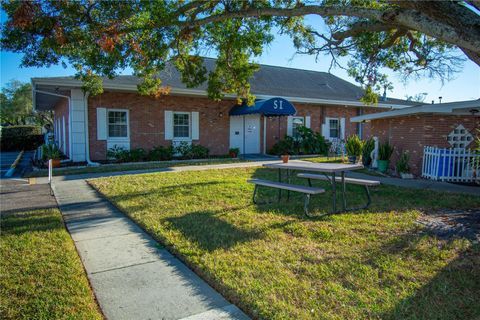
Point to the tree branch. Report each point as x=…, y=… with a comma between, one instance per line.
x=406, y=18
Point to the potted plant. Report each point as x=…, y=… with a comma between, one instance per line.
x=233, y=152
x=285, y=157
x=368, y=146
x=385, y=151
x=353, y=147
x=403, y=168
x=51, y=151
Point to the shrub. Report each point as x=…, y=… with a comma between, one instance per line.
x=368, y=146
x=121, y=155
x=311, y=142
x=354, y=146
x=15, y=138
x=117, y=153
x=385, y=151
x=160, y=153
x=136, y=155
x=191, y=151
x=307, y=142
x=50, y=151
x=402, y=163
x=285, y=146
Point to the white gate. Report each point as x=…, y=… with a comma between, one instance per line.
x=448, y=164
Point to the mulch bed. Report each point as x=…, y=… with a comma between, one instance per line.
x=449, y=223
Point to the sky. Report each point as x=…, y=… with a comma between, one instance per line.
x=465, y=86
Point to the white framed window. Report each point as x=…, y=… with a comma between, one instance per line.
x=334, y=127
x=296, y=123
x=181, y=125
x=117, y=124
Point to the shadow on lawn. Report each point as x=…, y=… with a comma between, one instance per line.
x=33, y=221
x=452, y=294
x=209, y=231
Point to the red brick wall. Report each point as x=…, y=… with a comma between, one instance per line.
x=147, y=120
x=60, y=111
x=411, y=133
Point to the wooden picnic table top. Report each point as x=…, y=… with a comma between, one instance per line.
x=313, y=166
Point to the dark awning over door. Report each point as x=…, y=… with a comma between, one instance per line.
x=269, y=107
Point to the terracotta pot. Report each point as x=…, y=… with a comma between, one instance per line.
x=285, y=158
x=56, y=163
x=233, y=155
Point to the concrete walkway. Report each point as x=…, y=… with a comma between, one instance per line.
x=131, y=275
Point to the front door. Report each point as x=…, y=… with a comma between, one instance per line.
x=250, y=137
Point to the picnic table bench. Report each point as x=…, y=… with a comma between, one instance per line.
x=362, y=182
x=307, y=191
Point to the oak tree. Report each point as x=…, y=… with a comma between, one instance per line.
x=100, y=38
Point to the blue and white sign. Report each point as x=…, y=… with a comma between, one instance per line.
x=269, y=107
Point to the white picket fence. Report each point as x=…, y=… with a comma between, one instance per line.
x=447, y=164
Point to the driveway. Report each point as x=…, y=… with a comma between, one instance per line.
x=7, y=159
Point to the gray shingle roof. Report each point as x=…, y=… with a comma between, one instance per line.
x=268, y=81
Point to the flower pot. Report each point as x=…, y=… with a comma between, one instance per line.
x=233, y=155
x=285, y=158
x=382, y=165
x=352, y=159
x=56, y=163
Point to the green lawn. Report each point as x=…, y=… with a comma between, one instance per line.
x=127, y=167
x=41, y=274
x=276, y=264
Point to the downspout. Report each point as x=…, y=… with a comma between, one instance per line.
x=87, y=136
x=69, y=115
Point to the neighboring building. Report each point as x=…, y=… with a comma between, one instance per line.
x=86, y=127
x=445, y=125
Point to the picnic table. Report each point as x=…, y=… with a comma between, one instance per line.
x=332, y=172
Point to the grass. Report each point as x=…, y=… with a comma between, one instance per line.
x=276, y=264
x=127, y=167
x=41, y=274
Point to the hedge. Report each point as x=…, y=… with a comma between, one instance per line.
x=15, y=138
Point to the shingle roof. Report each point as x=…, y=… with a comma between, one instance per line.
x=267, y=81
x=458, y=107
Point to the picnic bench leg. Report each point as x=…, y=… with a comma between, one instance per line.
x=255, y=194
x=369, y=199
x=344, y=186
x=279, y=180
x=334, y=191
x=305, y=205
x=288, y=180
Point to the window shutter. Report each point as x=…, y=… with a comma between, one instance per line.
x=290, y=126
x=307, y=121
x=342, y=128
x=168, y=125
x=101, y=124
x=195, y=126
x=326, y=129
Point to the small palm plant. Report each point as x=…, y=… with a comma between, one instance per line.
x=354, y=146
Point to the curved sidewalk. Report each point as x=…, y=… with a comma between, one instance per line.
x=132, y=276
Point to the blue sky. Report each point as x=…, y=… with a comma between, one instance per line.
x=465, y=86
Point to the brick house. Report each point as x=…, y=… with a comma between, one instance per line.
x=445, y=125
x=87, y=126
